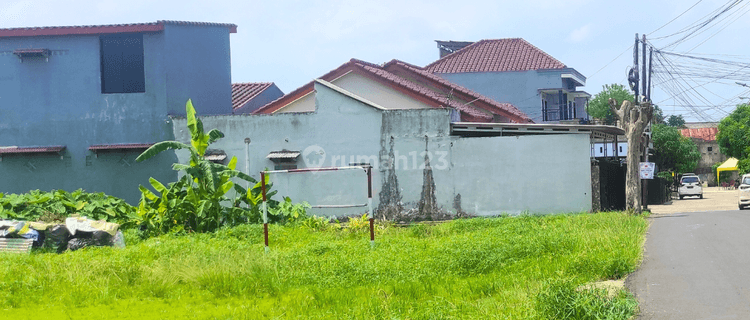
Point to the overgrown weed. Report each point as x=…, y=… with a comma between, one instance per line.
x=510, y=267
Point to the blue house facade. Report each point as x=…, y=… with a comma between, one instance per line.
x=78, y=104
x=516, y=72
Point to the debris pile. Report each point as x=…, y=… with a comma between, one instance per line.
x=76, y=233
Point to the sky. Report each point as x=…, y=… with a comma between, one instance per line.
x=293, y=42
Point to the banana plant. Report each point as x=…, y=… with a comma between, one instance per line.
x=195, y=202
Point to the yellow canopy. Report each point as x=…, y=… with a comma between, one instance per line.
x=729, y=165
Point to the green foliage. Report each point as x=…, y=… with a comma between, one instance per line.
x=674, y=152
x=57, y=205
x=195, y=202
x=290, y=212
x=599, y=105
x=676, y=121
x=724, y=177
x=424, y=272
x=566, y=300
x=668, y=177
x=658, y=116
x=743, y=166
x=359, y=224
x=316, y=223
x=734, y=133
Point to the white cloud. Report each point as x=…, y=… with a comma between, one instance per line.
x=581, y=34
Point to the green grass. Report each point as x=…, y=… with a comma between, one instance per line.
x=504, y=268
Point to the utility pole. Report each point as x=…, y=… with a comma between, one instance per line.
x=633, y=76
x=633, y=117
x=645, y=147
x=650, y=70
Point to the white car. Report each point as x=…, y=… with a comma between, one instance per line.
x=690, y=185
x=743, y=200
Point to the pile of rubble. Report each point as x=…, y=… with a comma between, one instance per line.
x=76, y=233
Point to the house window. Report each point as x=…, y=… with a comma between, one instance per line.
x=215, y=156
x=284, y=159
x=122, y=63
x=710, y=149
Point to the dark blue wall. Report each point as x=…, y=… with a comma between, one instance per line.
x=196, y=60
x=59, y=102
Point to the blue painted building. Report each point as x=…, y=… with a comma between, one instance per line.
x=79, y=103
x=516, y=72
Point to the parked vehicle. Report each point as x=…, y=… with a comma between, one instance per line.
x=743, y=200
x=690, y=185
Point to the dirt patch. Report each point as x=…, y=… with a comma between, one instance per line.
x=714, y=199
x=612, y=286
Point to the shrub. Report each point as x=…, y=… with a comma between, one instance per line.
x=564, y=300
x=56, y=205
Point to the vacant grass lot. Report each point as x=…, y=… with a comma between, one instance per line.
x=506, y=268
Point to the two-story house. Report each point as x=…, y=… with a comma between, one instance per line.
x=79, y=103
x=516, y=72
x=704, y=136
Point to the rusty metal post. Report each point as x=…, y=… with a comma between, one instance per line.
x=369, y=206
x=265, y=208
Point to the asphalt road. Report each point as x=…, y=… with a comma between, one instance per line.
x=696, y=264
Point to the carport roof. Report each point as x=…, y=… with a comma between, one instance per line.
x=514, y=129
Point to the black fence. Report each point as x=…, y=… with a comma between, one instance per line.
x=659, y=191
x=611, y=185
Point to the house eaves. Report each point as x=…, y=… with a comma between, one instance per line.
x=376, y=73
x=157, y=26
x=490, y=105
x=473, y=129
x=349, y=94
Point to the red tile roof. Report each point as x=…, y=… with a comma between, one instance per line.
x=468, y=94
x=244, y=92
x=120, y=146
x=36, y=149
x=105, y=29
x=706, y=134
x=499, y=55
x=421, y=90
x=431, y=90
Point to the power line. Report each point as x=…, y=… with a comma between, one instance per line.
x=675, y=18
x=689, y=27
x=730, y=5
x=613, y=60
x=722, y=29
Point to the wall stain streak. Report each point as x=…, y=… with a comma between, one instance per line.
x=427, y=201
x=390, y=195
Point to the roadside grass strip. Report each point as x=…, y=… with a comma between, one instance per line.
x=527, y=267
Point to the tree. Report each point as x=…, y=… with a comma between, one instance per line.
x=599, y=105
x=734, y=136
x=734, y=133
x=633, y=119
x=658, y=116
x=194, y=202
x=674, y=152
x=676, y=121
